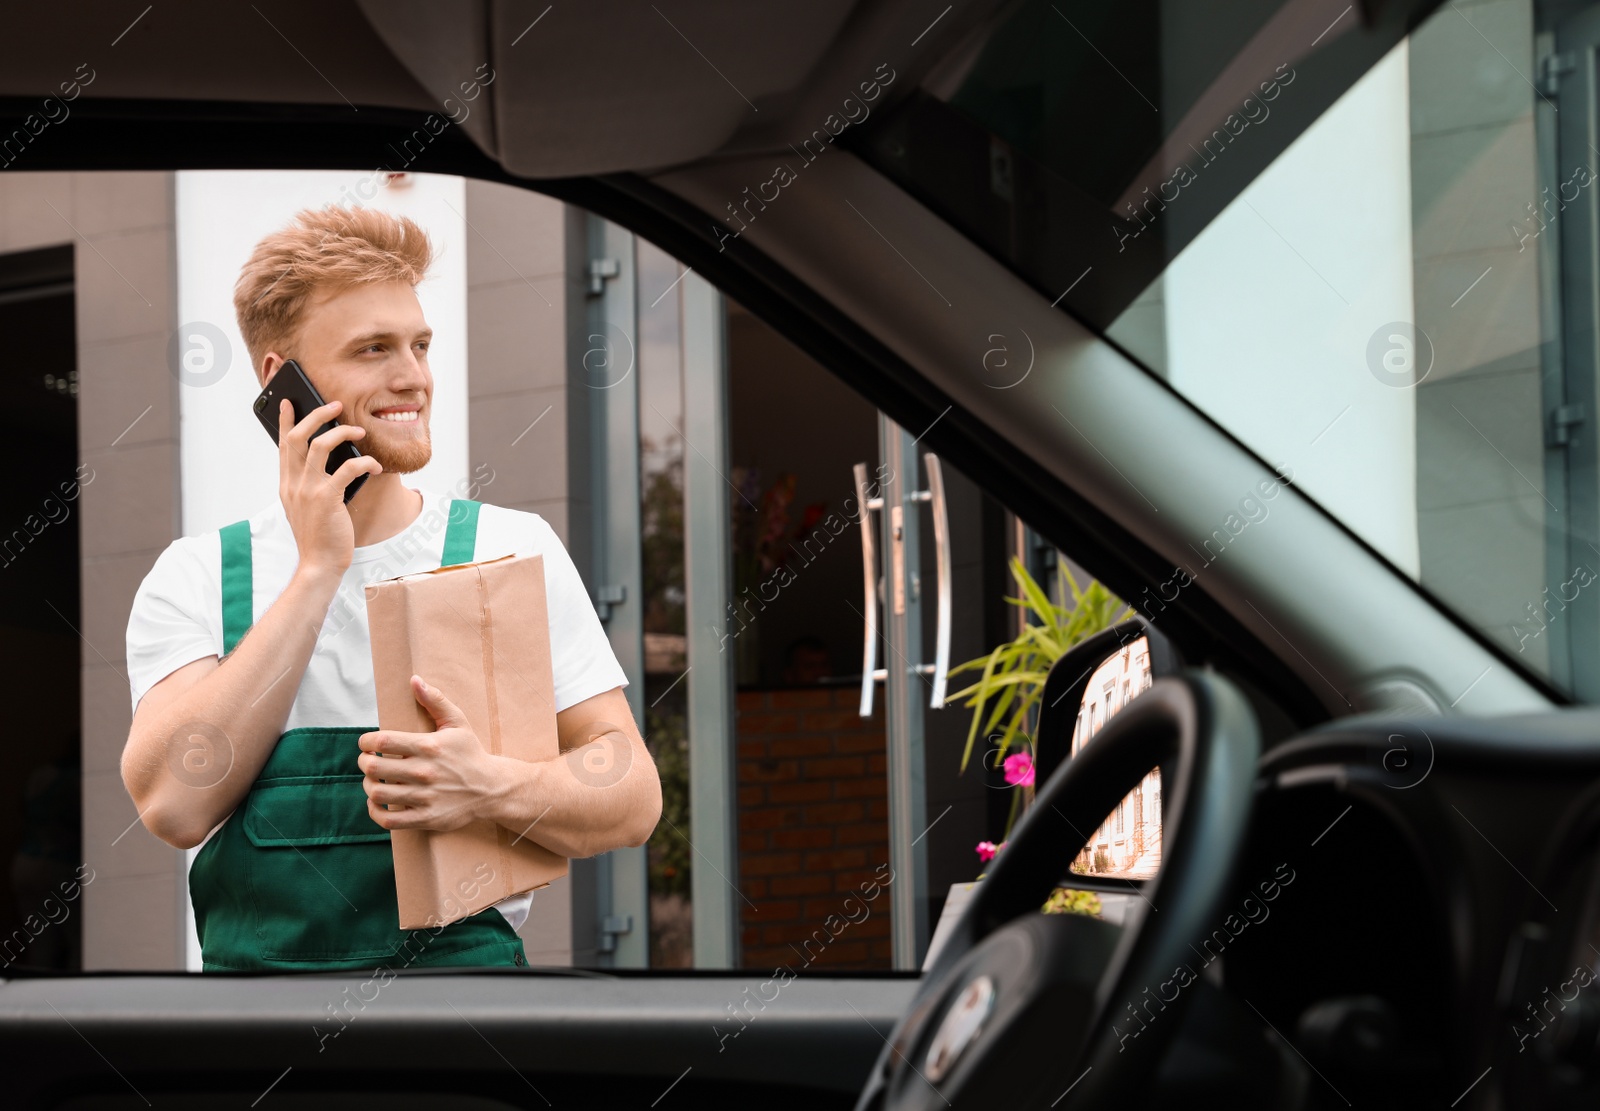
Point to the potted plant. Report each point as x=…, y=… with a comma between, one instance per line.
x=1007, y=693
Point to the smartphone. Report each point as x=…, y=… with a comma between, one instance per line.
x=291, y=382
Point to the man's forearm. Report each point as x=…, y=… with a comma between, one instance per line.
x=574, y=814
x=190, y=766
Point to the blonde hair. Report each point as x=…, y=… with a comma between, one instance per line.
x=321, y=250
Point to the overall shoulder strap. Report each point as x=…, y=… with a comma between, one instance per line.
x=461, y=535
x=238, y=605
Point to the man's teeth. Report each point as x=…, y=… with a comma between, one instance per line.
x=402, y=418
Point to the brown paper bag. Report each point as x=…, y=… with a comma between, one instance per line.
x=480, y=633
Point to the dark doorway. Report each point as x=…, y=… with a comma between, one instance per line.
x=40, y=613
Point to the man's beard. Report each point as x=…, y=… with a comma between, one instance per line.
x=397, y=456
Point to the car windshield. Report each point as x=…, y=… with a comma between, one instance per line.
x=1369, y=255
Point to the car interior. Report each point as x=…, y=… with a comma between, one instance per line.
x=1274, y=320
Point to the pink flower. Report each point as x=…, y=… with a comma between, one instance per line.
x=1019, y=770
x=987, y=849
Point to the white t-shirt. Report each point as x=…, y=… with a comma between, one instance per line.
x=177, y=614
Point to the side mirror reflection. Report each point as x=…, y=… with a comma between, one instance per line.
x=1127, y=845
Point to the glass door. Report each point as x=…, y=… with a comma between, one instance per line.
x=806, y=571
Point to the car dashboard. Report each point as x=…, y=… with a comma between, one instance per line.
x=1418, y=914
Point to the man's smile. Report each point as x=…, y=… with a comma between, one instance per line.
x=400, y=414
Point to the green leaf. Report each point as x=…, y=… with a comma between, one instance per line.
x=978, y=699
x=1006, y=696
x=1038, y=601
x=1012, y=676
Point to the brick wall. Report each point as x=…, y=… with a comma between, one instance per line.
x=813, y=827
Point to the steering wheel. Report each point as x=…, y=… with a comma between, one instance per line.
x=1022, y=1008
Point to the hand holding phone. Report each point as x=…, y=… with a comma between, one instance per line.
x=291, y=382
x=318, y=468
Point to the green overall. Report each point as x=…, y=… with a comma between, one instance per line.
x=299, y=877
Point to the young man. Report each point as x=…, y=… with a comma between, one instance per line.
x=265, y=747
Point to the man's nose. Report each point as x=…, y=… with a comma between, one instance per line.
x=411, y=373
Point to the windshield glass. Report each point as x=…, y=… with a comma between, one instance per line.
x=1368, y=255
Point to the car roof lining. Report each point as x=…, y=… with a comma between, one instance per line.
x=575, y=89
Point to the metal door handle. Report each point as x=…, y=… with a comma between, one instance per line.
x=934, y=495
x=941, y=543
x=870, y=672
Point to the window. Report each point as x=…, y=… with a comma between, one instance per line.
x=1437, y=410
x=1379, y=285
x=699, y=470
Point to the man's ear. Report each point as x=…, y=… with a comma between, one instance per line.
x=270, y=365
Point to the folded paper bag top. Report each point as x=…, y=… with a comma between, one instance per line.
x=480, y=633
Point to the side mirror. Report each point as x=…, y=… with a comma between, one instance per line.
x=1085, y=687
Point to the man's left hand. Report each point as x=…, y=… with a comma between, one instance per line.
x=444, y=779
